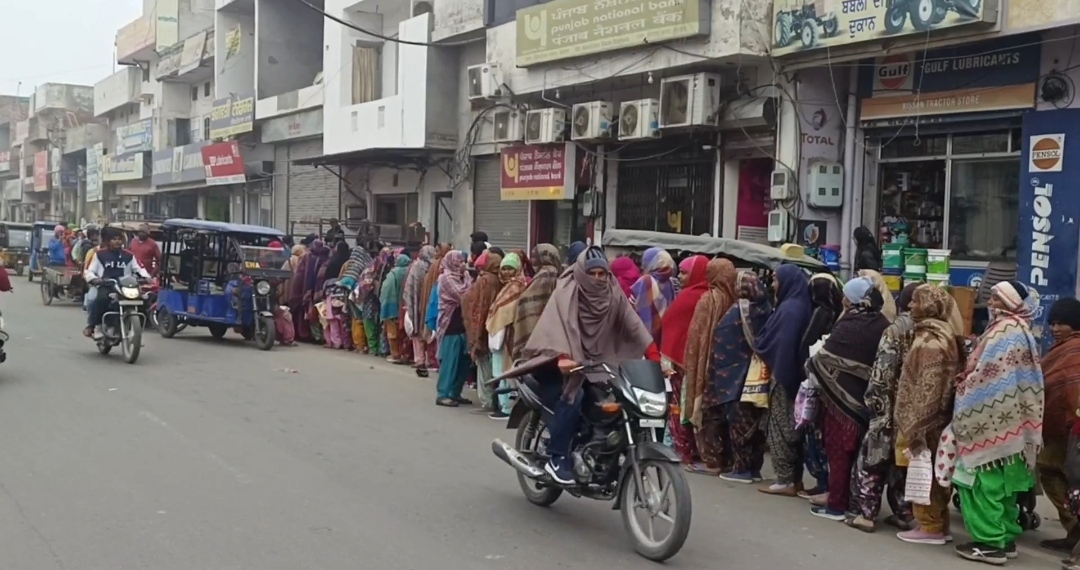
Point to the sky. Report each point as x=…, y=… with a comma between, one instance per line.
x=60, y=41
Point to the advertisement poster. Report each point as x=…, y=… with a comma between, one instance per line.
x=223, y=163
x=1049, y=209
x=94, y=159
x=538, y=172
x=41, y=171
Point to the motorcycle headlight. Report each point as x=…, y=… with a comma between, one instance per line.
x=262, y=287
x=130, y=292
x=651, y=404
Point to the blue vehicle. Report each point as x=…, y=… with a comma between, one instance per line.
x=220, y=276
x=39, y=246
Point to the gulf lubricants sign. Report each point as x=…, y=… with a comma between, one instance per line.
x=1046, y=252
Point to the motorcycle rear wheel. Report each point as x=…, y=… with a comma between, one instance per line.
x=671, y=481
x=527, y=441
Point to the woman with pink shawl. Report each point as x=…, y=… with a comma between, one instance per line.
x=626, y=272
x=653, y=292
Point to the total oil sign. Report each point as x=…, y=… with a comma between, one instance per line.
x=1049, y=210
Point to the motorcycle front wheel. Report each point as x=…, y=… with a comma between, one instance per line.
x=662, y=495
x=131, y=339
x=529, y=442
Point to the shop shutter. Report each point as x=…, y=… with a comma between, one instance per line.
x=505, y=221
x=312, y=192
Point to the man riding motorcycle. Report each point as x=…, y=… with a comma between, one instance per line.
x=109, y=263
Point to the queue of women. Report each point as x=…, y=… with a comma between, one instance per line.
x=839, y=381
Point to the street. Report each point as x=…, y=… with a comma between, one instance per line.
x=214, y=455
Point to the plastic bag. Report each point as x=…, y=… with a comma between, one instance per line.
x=756, y=387
x=409, y=327
x=920, y=478
x=817, y=346
x=806, y=405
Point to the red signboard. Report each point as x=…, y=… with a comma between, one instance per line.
x=538, y=172
x=223, y=163
x=41, y=171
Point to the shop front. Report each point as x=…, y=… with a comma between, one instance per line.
x=943, y=142
x=540, y=184
x=126, y=175
x=178, y=179
x=236, y=192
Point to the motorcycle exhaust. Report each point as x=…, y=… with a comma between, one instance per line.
x=515, y=459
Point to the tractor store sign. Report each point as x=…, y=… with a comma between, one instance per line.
x=801, y=25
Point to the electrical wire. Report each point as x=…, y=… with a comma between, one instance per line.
x=376, y=35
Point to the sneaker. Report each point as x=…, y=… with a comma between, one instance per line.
x=558, y=469
x=1010, y=551
x=825, y=513
x=498, y=415
x=744, y=477
x=918, y=536
x=982, y=553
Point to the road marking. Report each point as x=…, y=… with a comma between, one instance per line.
x=240, y=476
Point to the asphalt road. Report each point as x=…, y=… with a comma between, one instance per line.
x=213, y=455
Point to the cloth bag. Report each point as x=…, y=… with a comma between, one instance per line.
x=945, y=461
x=920, y=478
x=807, y=403
x=756, y=388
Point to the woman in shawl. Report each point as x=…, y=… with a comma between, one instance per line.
x=778, y=344
x=285, y=292
x=427, y=293
x=337, y=261
x=828, y=303
x=626, y=272
x=450, y=332
x=1061, y=372
x=651, y=294
x=998, y=420
x=389, y=305
x=924, y=399
x=546, y=260
x=314, y=277
x=867, y=255
x=874, y=464
x=366, y=297
x=587, y=319
x=888, y=307
x=359, y=262
x=675, y=325
x=475, y=307
x=527, y=270
x=414, y=302
x=500, y=328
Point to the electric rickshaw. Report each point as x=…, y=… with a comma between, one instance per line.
x=220, y=276
x=41, y=233
x=15, y=245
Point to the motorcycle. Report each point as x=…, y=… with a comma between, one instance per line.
x=617, y=453
x=122, y=324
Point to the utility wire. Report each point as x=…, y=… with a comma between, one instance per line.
x=352, y=26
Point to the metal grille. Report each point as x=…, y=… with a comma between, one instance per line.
x=505, y=221
x=673, y=193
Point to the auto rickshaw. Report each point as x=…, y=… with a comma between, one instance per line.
x=41, y=233
x=15, y=245
x=220, y=276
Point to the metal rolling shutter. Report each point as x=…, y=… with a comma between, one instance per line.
x=505, y=221
x=312, y=192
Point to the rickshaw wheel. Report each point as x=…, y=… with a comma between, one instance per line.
x=167, y=324
x=218, y=331
x=46, y=292
x=265, y=333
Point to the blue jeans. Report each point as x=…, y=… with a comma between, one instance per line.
x=453, y=366
x=563, y=425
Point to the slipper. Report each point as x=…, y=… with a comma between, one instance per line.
x=422, y=372
x=701, y=469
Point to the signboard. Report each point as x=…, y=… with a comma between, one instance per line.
x=41, y=171
x=987, y=76
x=223, y=163
x=13, y=189
x=5, y=161
x=169, y=64
x=571, y=28
x=95, y=155
x=119, y=167
x=177, y=165
x=803, y=25
x=1049, y=209
x=54, y=169
x=300, y=125
x=192, y=55
x=136, y=137
x=538, y=172
x=232, y=116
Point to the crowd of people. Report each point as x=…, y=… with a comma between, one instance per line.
x=838, y=380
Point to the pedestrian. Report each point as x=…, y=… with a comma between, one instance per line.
x=335, y=234
x=654, y=291
x=359, y=262
x=389, y=304
x=500, y=328
x=828, y=302
x=367, y=296
x=626, y=272
x=888, y=307
x=998, y=420
x=414, y=303
x=924, y=400
x=527, y=311
x=867, y=255
x=145, y=249
x=430, y=296
x=475, y=306
x=450, y=331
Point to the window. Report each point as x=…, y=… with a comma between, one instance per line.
x=206, y=89
x=396, y=209
x=984, y=209
x=182, y=135
x=206, y=128
x=194, y=93
x=260, y=209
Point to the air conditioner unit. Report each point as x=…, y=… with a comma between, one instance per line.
x=637, y=120
x=690, y=100
x=591, y=121
x=544, y=126
x=509, y=125
x=484, y=82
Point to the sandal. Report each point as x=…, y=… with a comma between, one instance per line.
x=422, y=372
x=446, y=402
x=700, y=469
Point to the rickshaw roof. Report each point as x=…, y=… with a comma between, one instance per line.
x=23, y=225
x=41, y=224
x=757, y=254
x=222, y=227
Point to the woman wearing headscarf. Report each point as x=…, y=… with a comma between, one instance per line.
x=450, y=331
x=842, y=370
x=675, y=325
x=888, y=307
x=366, y=297
x=500, y=323
x=924, y=399
x=336, y=262
x=874, y=464
x=414, y=302
x=475, y=306
x=651, y=294
x=778, y=346
x=359, y=261
x=527, y=270
x=428, y=294
x=867, y=255
x=1061, y=372
x=828, y=303
x=587, y=319
x=998, y=420
x=314, y=276
x=626, y=272
x=389, y=305
x=284, y=291
x=530, y=306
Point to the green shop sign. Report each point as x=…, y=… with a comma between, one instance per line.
x=571, y=28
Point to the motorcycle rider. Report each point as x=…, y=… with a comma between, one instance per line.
x=109, y=262
x=587, y=319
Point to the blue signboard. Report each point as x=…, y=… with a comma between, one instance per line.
x=1049, y=209
x=136, y=137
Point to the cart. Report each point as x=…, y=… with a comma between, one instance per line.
x=64, y=283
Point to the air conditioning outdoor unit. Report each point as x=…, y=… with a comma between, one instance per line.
x=509, y=125
x=484, y=82
x=591, y=121
x=544, y=126
x=637, y=120
x=689, y=100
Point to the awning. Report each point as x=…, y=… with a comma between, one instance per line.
x=178, y=187
x=374, y=157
